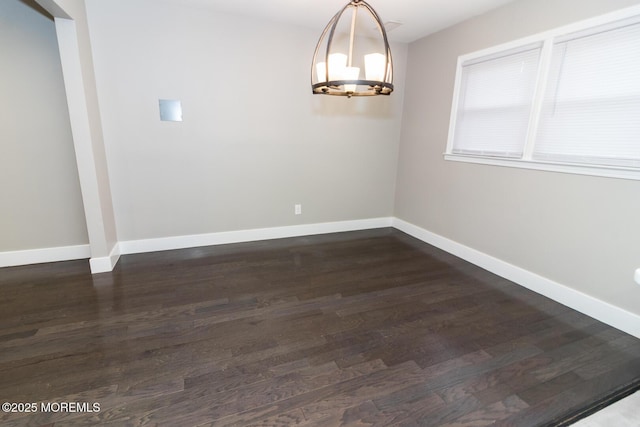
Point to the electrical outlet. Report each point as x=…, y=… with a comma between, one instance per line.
x=637, y=276
x=297, y=209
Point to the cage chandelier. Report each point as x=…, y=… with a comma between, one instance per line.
x=353, y=57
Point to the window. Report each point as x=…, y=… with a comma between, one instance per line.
x=566, y=100
x=495, y=103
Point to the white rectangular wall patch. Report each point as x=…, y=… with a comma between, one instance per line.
x=170, y=110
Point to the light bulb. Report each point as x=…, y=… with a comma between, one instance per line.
x=374, y=64
x=337, y=64
x=350, y=73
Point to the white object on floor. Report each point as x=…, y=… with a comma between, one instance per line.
x=623, y=413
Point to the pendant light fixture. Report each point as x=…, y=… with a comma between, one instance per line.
x=353, y=57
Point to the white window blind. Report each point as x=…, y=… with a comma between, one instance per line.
x=591, y=108
x=494, y=105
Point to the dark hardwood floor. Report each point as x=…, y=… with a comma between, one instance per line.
x=367, y=328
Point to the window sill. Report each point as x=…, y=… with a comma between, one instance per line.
x=571, y=168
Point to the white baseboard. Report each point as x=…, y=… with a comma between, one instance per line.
x=586, y=304
x=40, y=256
x=225, y=237
x=600, y=310
x=107, y=263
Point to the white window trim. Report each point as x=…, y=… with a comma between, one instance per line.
x=527, y=161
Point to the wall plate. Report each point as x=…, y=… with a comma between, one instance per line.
x=170, y=110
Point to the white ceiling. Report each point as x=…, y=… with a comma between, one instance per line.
x=418, y=17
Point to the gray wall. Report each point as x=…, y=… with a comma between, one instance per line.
x=580, y=231
x=40, y=201
x=254, y=140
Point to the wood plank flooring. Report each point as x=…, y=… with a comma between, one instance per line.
x=367, y=328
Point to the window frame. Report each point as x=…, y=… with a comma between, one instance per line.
x=547, y=39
